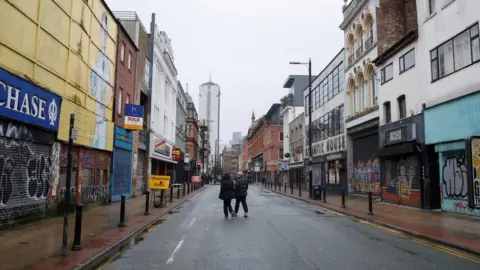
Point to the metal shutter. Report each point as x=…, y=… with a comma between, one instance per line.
x=122, y=172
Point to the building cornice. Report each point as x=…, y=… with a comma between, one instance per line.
x=351, y=11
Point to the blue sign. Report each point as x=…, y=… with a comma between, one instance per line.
x=123, y=138
x=134, y=110
x=133, y=117
x=25, y=102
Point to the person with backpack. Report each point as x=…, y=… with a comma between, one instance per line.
x=241, y=191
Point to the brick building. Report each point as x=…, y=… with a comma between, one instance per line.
x=273, y=141
x=245, y=156
x=191, y=139
x=229, y=160
x=255, y=148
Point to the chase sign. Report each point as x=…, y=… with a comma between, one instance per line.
x=25, y=102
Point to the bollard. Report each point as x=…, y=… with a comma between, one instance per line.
x=291, y=189
x=343, y=198
x=188, y=188
x=122, y=224
x=178, y=193
x=370, y=208
x=183, y=189
x=162, y=192
x=77, y=237
x=324, y=194
x=147, y=203
x=171, y=193
x=300, y=190
x=285, y=187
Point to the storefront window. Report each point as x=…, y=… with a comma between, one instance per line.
x=333, y=173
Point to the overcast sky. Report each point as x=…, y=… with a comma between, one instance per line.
x=247, y=46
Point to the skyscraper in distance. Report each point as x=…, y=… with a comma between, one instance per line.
x=209, y=111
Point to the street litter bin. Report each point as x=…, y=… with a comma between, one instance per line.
x=317, y=192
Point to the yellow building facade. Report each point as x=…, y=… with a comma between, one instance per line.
x=68, y=47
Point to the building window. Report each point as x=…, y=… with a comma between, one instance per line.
x=280, y=153
x=306, y=105
x=431, y=6
x=129, y=63
x=127, y=100
x=387, y=73
x=122, y=52
x=281, y=136
x=147, y=71
x=165, y=125
x=119, y=101
x=457, y=53
x=407, y=61
x=388, y=112
x=355, y=100
x=402, y=107
x=364, y=95
x=374, y=88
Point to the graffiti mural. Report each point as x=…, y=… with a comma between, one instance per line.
x=402, y=180
x=454, y=183
x=366, y=175
x=25, y=169
x=100, y=88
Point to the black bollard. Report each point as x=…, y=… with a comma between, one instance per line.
x=122, y=224
x=183, y=189
x=300, y=190
x=343, y=198
x=162, y=192
x=77, y=237
x=370, y=207
x=324, y=194
x=178, y=193
x=291, y=189
x=188, y=188
x=285, y=187
x=171, y=193
x=147, y=203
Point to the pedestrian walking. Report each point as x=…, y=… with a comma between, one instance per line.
x=241, y=191
x=227, y=193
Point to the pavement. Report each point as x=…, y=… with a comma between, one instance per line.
x=455, y=230
x=38, y=245
x=280, y=233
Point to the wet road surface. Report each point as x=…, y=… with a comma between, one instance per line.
x=280, y=233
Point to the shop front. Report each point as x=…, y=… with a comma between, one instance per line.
x=400, y=152
x=328, y=166
x=449, y=128
x=364, y=165
x=162, y=157
x=121, y=176
x=259, y=169
x=29, y=121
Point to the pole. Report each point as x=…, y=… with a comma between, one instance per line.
x=77, y=238
x=122, y=224
x=310, y=173
x=68, y=184
x=147, y=203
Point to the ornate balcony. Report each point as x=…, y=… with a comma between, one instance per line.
x=368, y=43
x=359, y=51
x=351, y=57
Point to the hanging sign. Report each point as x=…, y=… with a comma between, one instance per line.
x=176, y=152
x=133, y=117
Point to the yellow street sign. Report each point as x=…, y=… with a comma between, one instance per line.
x=159, y=182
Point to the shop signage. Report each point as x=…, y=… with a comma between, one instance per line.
x=396, y=135
x=133, y=117
x=176, y=153
x=28, y=103
x=162, y=147
x=330, y=145
x=186, y=158
x=335, y=156
x=473, y=146
x=159, y=182
x=196, y=179
x=123, y=138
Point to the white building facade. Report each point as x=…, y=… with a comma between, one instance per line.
x=209, y=111
x=450, y=66
x=328, y=126
x=163, y=103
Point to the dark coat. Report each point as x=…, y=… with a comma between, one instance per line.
x=241, y=187
x=227, y=190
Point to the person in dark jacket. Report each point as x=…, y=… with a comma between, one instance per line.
x=241, y=191
x=227, y=193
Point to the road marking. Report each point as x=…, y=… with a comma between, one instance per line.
x=207, y=227
x=191, y=222
x=177, y=248
x=452, y=251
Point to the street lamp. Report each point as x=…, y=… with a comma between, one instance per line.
x=310, y=175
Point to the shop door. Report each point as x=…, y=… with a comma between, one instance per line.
x=366, y=176
x=402, y=180
x=24, y=173
x=122, y=173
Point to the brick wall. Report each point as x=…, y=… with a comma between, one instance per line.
x=394, y=19
x=125, y=77
x=271, y=146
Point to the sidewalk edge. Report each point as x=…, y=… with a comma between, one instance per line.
x=110, y=252
x=412, y=233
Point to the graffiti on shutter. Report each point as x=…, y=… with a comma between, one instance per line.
x=25, y=168
x=122, y=172
x=140, y=185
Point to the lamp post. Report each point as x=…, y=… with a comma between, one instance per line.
x=310, y=175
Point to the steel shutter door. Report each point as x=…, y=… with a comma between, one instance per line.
x=366, y=165
x=25, y=169
x=122, y=173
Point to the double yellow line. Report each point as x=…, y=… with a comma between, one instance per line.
x=439, y=247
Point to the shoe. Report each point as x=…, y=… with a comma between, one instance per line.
x=245, y=215
x=226, y=217
x=234, y=215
